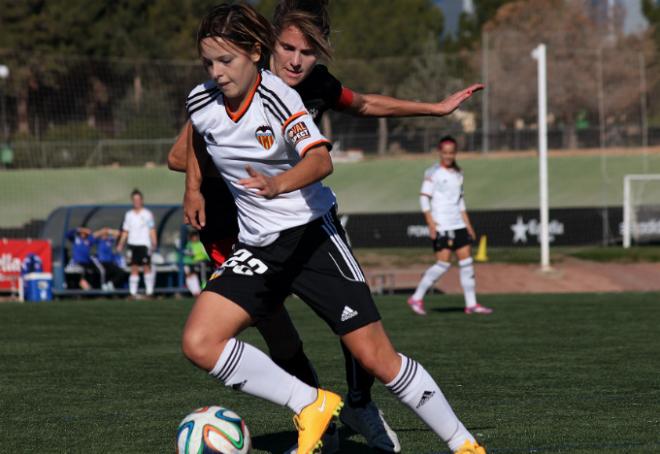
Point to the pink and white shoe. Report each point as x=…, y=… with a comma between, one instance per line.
x=417, y=306
x=478, y=309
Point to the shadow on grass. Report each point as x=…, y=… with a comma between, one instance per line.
x=279, y=442
x=448, y=309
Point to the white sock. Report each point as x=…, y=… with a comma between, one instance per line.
x=415, y=388
x=468, y=282
x=430, y=276
x=192, y=282
x=248, y=369
x=133, y=282
x=149, y=281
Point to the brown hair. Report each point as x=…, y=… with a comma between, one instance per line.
x=450, y=139
x=239, y=24
x=310, y=17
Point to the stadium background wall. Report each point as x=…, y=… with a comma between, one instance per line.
x=504, y=228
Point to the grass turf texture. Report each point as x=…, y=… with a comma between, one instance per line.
x=554, y=373
x=374, y=185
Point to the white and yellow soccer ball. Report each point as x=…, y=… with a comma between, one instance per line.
x=213, y=430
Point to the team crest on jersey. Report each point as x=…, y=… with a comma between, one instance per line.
x=298, y=132
x=265, y=136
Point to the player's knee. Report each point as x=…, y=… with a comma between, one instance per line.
x=198, y=346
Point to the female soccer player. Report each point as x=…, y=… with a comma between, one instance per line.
x=450, y=228
x=302, y=30
x=270, y=153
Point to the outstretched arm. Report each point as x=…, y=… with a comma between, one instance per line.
x=385, y=106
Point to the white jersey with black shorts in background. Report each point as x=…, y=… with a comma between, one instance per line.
x=271, y=134
x=138, y=225
x=444, y=186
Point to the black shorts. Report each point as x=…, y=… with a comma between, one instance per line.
x=88, y=270
x=314, y=262
x=451, y=239
x=139, y=255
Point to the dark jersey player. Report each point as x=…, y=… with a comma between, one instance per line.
x=302, y=40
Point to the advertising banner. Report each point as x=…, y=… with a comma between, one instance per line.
x=12, y=257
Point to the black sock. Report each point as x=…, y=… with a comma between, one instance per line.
x=359, y=381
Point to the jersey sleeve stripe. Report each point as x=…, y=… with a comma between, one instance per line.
x=292, y=118
x=314, y=144
x=274, y=112
x=200, y=107
x=273, y=105
x=425, y=194
x=278, y=99
x=203, y=92
x=190, y=103
x=345, y=99
x=200, y=101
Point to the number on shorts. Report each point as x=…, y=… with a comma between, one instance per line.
x=242, y=262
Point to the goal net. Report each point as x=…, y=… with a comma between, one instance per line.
x=641, y=209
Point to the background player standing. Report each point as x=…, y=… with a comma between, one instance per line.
x=450, y=228
x=105, y=258
x=139, y=232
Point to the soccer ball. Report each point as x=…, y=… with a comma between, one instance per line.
x=213, y=430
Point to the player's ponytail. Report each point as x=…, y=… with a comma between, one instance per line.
x=311, y=17
x=241, y=25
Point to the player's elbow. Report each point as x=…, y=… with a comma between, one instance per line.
x=175, y=163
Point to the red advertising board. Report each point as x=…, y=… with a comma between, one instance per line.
x=12, y=254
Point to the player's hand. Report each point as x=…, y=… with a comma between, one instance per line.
x=260, y=183
x=472, y=233
x=453, y=102
x=193, y=209
x=433, y=231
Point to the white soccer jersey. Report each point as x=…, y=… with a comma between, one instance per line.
x=445, y=188
x=138, y=224
x=271, y=134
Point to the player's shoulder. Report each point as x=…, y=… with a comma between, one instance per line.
x=430, y=172
x=321, y=75
x=277, y=95
x=201, y=95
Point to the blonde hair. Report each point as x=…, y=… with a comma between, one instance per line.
x=311, y=18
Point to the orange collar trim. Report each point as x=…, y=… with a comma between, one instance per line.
x=236, y=116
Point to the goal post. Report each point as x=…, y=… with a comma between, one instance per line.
x=641, y=208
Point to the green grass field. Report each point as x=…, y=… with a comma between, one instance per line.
x=374, y=185
x=544, y=374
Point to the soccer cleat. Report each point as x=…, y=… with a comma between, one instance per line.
x=478, y=309
x=314, y=419
x=330, y=441
x=369, y=422
x=417, y=306
x=470, y=447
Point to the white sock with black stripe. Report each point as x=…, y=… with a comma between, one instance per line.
x=468, y=282
x=415, y=388
x=431, y=275
x=248, y=369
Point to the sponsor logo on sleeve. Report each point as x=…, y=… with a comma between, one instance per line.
x=298, y=133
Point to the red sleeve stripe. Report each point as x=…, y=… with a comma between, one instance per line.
x=345, y=99
x=314, y=144
x=292, y=118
